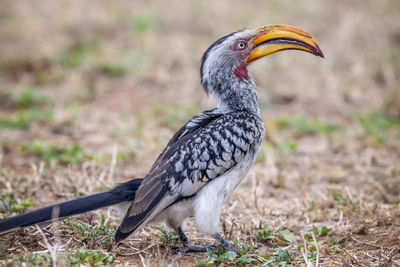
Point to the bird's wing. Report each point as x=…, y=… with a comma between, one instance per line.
x=205, y=148
x=194, y=124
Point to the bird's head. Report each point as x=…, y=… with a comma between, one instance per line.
x=226, y=60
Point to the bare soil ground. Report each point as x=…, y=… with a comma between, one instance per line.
x=90, y=93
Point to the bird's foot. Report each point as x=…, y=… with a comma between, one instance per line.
x=190, y=247
x=226, y=244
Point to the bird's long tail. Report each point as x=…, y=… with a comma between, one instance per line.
x=121, y=193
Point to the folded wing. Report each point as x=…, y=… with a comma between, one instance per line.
x=206, y=147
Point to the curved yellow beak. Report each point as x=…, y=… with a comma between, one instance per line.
x=273, y=38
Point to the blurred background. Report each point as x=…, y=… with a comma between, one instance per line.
x=91, y=91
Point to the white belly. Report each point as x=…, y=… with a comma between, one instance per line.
x=210, y=199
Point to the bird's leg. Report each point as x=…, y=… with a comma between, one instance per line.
x=189, y=246
x=226, y=243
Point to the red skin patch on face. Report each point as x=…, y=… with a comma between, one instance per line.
x=241, y=71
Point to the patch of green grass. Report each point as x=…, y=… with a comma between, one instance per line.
x=90, y=234
x=311, y=245
x=265, y=234
x=290, y=253
x=221, y=256
x=28, y=98
x=24, y=119
x=8, y=202
x=167, y=237
x=305, y=126
x=28, y=109
x=79, y=52
x=54, y=154
x=281, y=257
x=114, y=69
x=268, y=236
x=142, y=23
x=377, y=125
x=333, y=244
x=77, y=257
x=91, y=258
x=287, y=253
x=35, y=259
x=288, y=146
x=353, y=207
x=345, y=203
x=246, y=261
x=321, y=231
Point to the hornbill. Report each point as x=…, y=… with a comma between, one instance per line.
x=207, y=158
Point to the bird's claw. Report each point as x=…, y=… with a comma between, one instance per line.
x=236, y=250
x=180, y=250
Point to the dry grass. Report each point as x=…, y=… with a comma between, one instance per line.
x=113, y=80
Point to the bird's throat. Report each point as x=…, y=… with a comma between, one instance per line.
x=241, y=71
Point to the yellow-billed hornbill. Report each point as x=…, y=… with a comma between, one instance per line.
x=208, y=157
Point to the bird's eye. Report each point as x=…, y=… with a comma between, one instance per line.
x=241, y=45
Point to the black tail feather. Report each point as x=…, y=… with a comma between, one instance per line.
x=131, y=223
x=121, y=193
